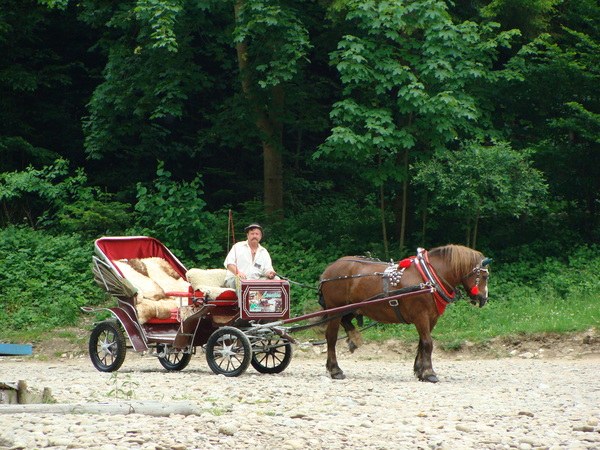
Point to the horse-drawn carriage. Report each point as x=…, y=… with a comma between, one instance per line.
x=197, y=314
x=169, y=311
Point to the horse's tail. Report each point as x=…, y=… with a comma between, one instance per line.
x=321, y=300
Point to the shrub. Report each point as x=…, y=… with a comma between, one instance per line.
x=174, y=213
x=51, y=198
x=44, y=279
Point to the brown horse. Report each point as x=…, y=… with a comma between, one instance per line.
x=352, y=280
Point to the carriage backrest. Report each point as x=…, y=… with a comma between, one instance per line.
x=136, y=247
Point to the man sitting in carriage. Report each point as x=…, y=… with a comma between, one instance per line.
x=248, y=260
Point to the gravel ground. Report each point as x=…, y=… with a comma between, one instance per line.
x=523, y=401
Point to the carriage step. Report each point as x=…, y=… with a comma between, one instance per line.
x=161, y=336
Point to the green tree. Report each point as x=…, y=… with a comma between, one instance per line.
x=480, y=181
x=555, y=109
x=272, y=45
x=175, y=67
x=174, y=212
x=135, y=112
x=54, y=198
x=413, y=82
x=530, y=17
x=45, y=73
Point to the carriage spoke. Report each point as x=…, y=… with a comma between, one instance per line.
x=227, y=355
x=228, y=351
x=106, y=348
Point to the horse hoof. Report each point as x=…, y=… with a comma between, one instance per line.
x=338, y=376
x=431, y=379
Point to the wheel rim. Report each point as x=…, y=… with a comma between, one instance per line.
x=107, y=348
x=174, y=360
x=228, y=352
x=275, y=357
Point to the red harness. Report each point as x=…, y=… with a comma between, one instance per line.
x=440, y=294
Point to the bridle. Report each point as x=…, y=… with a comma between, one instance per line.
x=478, y=271
x=442, y=296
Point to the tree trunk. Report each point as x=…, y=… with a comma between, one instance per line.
x=382, y=210
x=270, y=129
x=404, y=195
x=475, y=228
x=404, y=202
x=424, y=217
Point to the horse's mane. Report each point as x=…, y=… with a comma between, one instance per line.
x=462, y=259
x=367, y=257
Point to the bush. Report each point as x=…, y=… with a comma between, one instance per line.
x=174, y=213
x=551, y=278
x=55, y=200
x=44, y=279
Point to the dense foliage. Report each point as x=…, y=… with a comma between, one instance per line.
x=42, y=283
x=344, y=126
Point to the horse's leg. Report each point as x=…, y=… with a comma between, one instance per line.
x=423, y=367
x=354, y=336
x=331, y=335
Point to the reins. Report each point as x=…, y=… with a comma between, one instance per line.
x=362, y=261
x=296, y=283
x=351, y=276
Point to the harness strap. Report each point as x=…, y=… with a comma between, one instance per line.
x=441, y=296
x=350, y=276
x=394, y=304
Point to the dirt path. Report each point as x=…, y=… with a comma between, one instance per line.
x=543, y=393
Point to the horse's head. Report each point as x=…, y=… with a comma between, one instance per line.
x=475, y=283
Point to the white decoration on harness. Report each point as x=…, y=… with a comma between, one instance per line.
x=393, y=274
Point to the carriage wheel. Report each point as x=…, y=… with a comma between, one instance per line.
x=228, y=352
x=174, y=361
x=271, y=355
x=107, y=347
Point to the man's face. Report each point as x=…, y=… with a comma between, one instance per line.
x=254, y=235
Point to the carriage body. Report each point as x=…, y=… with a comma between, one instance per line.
x=161, y=312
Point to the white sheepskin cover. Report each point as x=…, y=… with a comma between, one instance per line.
x=167, y=278
x=153, y=277
x=209, y=281
x=147, y=288
x=150, y=309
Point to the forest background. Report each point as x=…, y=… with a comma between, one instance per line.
x=343, y=126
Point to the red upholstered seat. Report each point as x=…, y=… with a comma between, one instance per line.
x=228, y=295
x=226, y=298
x=173, y=319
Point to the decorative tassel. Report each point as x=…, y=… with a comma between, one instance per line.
x=474, y=290
x=405, y=263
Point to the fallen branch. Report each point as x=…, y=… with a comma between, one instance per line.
x=149, y=408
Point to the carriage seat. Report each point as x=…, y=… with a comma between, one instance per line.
x=207, y=283
x=211, y=283
x=174, y=318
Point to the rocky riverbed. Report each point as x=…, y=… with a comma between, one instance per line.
x=519, y=399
